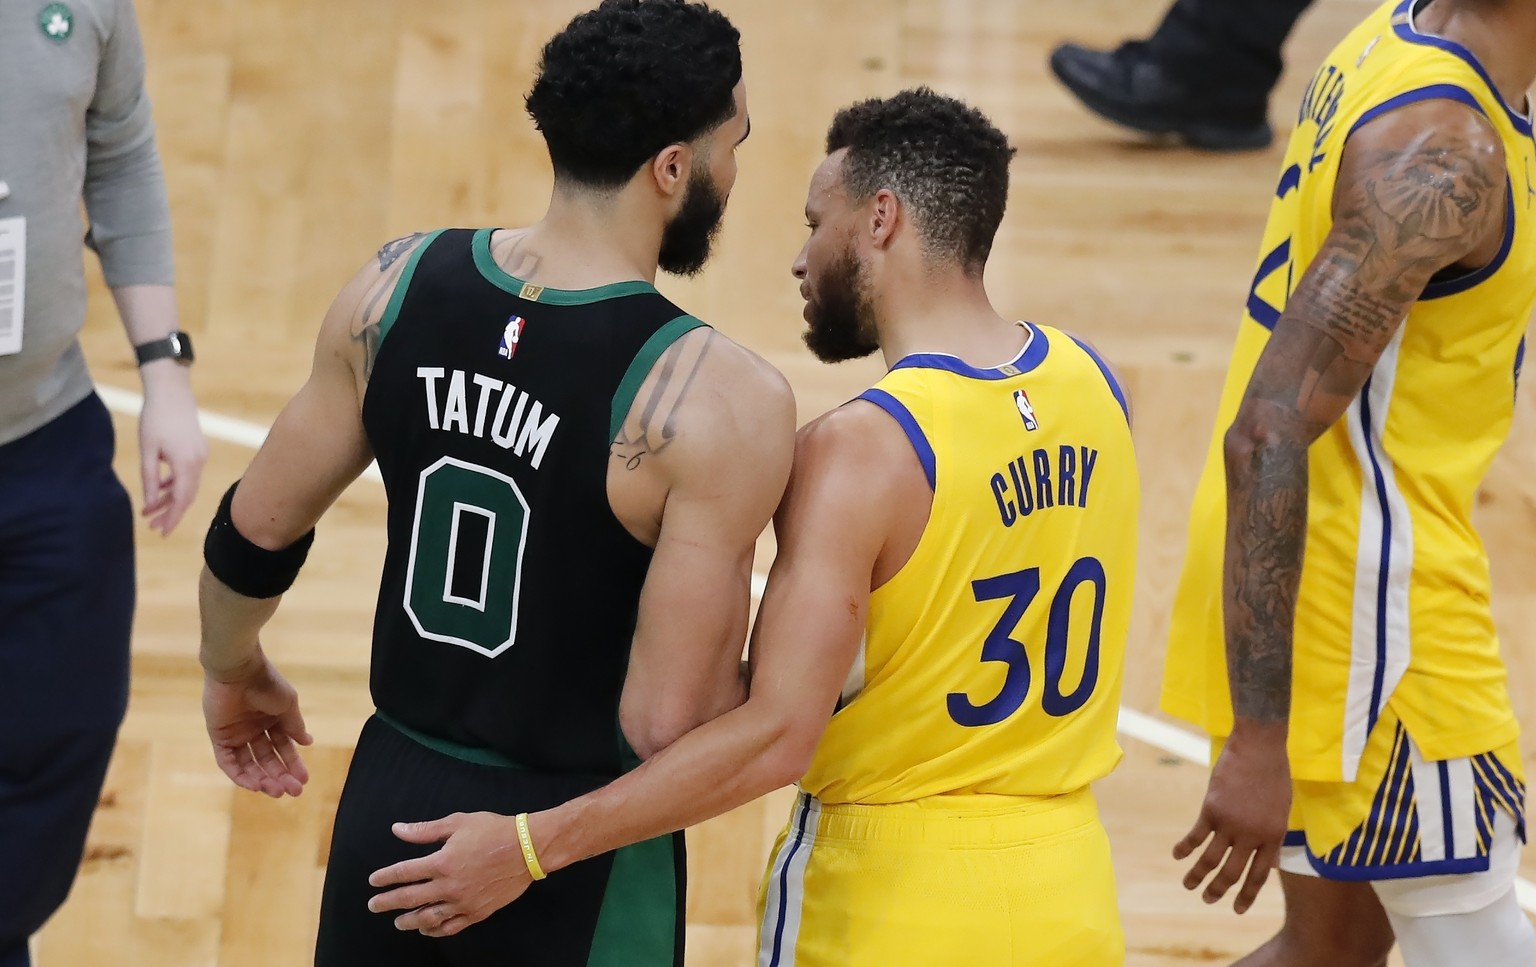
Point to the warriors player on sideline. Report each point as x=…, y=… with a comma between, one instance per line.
x=973, y=519
x=1360, y=692
x=577, y=473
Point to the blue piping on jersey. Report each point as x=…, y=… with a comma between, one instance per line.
x=1378, y=681
x=1461, y=283
x=1434, y=92
x=1402, y=23
x=778, y=931
x=1032, y=355
x=903, y=416
x=1109, y=377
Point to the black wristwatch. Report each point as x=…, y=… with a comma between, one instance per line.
x=177, y=346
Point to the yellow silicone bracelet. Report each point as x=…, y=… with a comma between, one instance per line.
x=526, y=840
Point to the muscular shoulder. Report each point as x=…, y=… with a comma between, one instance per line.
x=1428, y=180
x=708, y=401
x=353, y=325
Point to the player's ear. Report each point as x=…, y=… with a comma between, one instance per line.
x=884, y=213
x=670, y=170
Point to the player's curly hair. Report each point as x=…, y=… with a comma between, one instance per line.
x=945, y=161
x=625, y=80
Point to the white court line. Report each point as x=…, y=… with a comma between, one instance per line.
x=1138, y=725
x=215, y=425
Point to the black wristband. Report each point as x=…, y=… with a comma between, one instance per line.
x=246, y=568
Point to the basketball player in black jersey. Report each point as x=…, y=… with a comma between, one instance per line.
x=577, y=472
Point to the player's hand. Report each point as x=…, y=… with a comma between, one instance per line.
x=1246, y=810
x=172, y=449
x=256, y=728
x=479, y=870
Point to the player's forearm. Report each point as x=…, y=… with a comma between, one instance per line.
x=1266, y=535
x=231, y=623
x=723, y=764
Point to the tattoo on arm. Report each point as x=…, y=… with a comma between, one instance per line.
x=1400, y=216
x=370, y=308
x=655, y=427
x=391, y=251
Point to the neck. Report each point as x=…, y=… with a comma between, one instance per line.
x=1502, y=35
x=944, y=311
x=587, y=239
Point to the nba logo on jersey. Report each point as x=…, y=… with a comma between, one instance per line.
x=510, y=336
x=1021, y=400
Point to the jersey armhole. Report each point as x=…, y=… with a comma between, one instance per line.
x=1439, y=288
x=1109, y=376
x=903, y=416
x=640, y=367
x=397, y=297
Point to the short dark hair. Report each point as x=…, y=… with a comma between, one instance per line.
x=625, y=80
x=941, y=157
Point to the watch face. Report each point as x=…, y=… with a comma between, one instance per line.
x=181, y=347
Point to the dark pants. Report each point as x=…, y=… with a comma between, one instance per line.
x=1229, y=50
x=66, y=611
x=622, y=909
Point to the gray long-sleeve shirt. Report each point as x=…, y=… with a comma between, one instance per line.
x=74, y=124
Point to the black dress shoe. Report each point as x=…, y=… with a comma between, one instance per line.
x=1128, y=87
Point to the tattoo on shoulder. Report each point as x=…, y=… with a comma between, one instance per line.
x=391, y=251
x=651, y=426
x=369, y=312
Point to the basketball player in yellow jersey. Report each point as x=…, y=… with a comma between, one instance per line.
x=1332, y=628
x=956, y=556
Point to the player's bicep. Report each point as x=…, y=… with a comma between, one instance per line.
x=1419, y=191
x=317, y=445
x=831, y=529
x=727, y=459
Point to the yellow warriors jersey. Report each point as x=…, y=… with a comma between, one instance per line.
x=992, y=659
x=1393, y=609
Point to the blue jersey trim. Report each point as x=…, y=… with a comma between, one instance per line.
x=1397, y=871
x=903, y=416
x=1109, y=377
x=1402, y=23
x=1434, y=92
x=1378, y=682
x=778, y=930
x=1030, y=357
x=1461, y=283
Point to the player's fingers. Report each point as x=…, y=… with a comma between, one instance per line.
x=1192, y=839
x=230, y=764
x=292, y=724
x=271, y=766
x=406, y=871
x=412, y=897
x=252, y=776
x=432, y=832
x=426, y=918
x=449, y=927
x=1208, y=861
x=1231, y=871
x=1258, y=874
x=291, y=759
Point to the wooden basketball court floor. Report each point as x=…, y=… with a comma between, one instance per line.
x=298, y=136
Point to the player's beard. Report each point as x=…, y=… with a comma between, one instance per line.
x=687, y=238
x=841, y=312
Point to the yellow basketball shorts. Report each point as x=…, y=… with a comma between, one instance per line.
x=950, y=880
x=1403, y=815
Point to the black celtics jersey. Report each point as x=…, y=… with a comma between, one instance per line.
x=510, y=589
